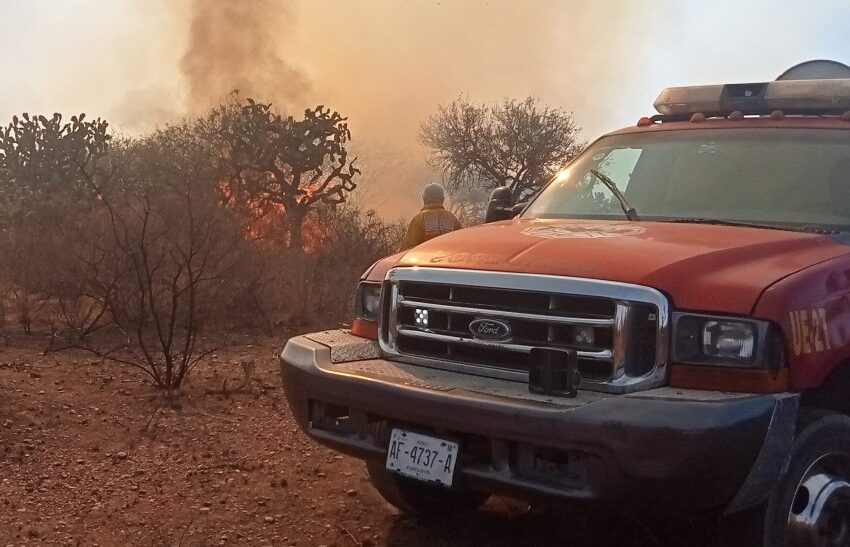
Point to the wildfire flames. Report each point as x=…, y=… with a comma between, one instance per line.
x=267, y=221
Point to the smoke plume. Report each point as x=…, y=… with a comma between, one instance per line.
x=237, y=45
x=387, y=64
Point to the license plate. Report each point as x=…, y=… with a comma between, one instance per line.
x=421, y=457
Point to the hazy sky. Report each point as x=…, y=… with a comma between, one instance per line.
x=388, y=63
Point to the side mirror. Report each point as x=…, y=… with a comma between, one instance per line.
x=517, y=209
x=500, y=206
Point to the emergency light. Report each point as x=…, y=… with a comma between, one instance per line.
x=796, y=92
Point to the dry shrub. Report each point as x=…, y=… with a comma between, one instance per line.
x=126, y=249
x=169, y=255
x=354, y=241
x=311, y=288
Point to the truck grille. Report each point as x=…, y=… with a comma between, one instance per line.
x=618, y=331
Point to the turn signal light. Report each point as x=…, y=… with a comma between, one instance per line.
x=365, y=328
x=740, y=380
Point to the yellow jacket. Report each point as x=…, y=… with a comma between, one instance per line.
x=430, y=222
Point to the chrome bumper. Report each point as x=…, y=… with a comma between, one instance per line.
x=666, y=449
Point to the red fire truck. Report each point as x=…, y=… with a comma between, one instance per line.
x=663, y=328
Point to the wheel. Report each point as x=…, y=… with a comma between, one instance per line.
x=416, y=498
x=810, y=506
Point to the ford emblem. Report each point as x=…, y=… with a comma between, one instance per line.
x=490, y=329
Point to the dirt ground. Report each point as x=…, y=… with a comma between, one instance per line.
x=89, y=457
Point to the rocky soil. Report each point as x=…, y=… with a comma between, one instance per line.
x=89, y=456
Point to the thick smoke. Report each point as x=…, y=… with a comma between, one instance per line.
x=238, y=45
x=387, y=64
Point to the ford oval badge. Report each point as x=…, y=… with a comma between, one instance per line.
x=490, y=329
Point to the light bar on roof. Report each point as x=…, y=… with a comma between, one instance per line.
x=826, y=94
x=791, y=96
x=687, y=100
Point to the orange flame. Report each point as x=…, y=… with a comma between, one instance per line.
x=266, y=220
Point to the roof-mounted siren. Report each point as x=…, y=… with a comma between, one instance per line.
x=821, y=69
x=813, y=87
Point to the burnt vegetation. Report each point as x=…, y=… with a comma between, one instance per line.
x=144, y=250
x=278, y=165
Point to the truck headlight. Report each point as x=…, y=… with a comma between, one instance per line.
x=367, y=303
x=728, y=339
x=725, y=341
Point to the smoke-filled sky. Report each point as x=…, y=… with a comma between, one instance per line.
x=388, y=63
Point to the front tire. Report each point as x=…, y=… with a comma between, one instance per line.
x=810, y=506
x=417, y=498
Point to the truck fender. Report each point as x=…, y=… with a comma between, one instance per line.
x=773, y=458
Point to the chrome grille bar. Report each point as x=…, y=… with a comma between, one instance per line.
x=494, y=313
x=632, y=323
x=621, y=338
x=508, y=346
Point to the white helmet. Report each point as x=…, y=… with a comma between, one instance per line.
x=433, y=194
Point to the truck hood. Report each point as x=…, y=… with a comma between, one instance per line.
x=701, y=267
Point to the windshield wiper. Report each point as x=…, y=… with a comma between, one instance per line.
x=719, y=222
x=631, y=214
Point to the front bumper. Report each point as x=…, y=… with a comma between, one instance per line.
x=663, y=449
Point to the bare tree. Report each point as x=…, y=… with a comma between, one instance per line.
x=125, y=239
x=279, y=165
x=518, y=144
x=173, y=247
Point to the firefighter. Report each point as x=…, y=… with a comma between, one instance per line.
x=432, y=221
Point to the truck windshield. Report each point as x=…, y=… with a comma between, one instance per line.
x=777, y=177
